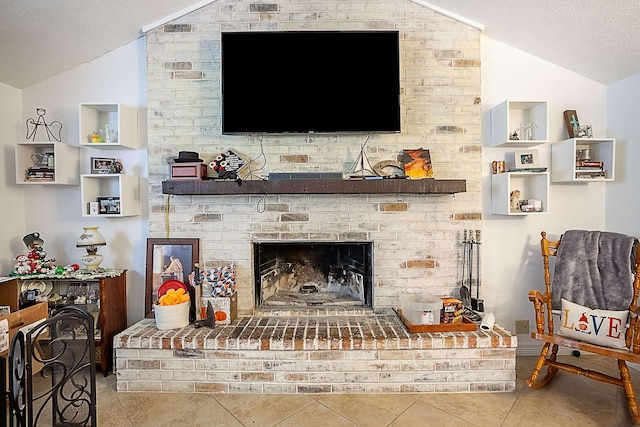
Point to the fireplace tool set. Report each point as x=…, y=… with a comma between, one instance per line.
x=471, y=275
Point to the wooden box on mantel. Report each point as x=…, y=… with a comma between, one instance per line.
x=195, y=170
x=227, y=305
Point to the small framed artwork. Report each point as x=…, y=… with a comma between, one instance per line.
x=584, y=132
x=168, y=259
x=417, y=163
x=526, y=159
x=101, y=165
x=108, y=205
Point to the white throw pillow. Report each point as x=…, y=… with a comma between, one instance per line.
x=601, y=327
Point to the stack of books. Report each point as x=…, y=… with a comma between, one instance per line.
x=590, y=170
x=40, y=174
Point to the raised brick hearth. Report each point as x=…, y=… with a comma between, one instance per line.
x=318, y=352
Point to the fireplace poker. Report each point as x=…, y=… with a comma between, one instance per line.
x=465, y=293
x=478, y=271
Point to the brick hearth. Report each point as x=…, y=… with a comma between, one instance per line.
x=319, y=352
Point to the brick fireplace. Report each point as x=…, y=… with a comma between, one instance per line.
x=416, y=237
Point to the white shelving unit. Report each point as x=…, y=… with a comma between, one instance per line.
x=564, y=154
x=507, y=117
x=121, y=186
x=66, y=167
x=532, y=185
x=122, y=120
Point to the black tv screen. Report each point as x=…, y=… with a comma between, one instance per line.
x=310, y=81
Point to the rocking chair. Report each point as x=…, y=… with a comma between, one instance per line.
x=589, y=260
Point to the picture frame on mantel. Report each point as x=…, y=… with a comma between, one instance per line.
x=168, y=259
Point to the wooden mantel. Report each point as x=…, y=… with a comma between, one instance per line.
x=314, y=186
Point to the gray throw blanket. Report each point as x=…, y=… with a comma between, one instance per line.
x=594, y=269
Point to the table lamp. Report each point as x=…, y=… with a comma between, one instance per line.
x=90, y=240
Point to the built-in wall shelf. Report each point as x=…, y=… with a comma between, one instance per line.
x=315, y=186
x=599, y=166
x=115, y=123
x=507, y=118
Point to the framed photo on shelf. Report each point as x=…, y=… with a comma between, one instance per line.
x=108, y=205
x=168, y=259
x=101, y=165
x=526, y=159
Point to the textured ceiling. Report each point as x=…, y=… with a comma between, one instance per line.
x=595, y=38
x=42, y=38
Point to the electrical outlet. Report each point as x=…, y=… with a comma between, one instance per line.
x=522, y=326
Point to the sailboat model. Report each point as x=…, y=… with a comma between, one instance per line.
x=361, y=168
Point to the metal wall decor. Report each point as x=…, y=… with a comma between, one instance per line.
x=53, y=129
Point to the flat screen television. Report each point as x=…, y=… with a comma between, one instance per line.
x=310, y=82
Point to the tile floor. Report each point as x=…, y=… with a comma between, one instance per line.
x=569, y=400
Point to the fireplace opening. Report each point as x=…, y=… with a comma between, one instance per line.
x=303, y=274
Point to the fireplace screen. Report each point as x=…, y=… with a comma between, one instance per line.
x=313, y=274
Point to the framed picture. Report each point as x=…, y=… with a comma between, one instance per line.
x=101, y=165
x=417, y=163
x=584, y=132
x=168, y=259
x=526, y=159
x=108, y=205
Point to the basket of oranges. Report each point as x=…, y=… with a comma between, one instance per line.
x=172, y=309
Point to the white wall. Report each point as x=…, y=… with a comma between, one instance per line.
x=623, y=204
x=10, y=193
x=56, y=211
x=511, y=256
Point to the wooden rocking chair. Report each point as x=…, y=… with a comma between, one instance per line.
x=545, y=332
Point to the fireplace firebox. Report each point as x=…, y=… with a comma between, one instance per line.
x=303, y=274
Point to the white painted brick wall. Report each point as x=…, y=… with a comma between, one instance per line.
x=335, y=371
x=440, y=71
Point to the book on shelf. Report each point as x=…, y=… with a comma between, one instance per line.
x=587, y=169
x=39, y=179
x=591, y=174
x=527, y=170
x=364, y=178
x=589, y=164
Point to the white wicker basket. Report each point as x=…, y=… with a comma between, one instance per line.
x=171, y=316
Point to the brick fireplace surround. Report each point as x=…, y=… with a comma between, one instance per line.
x=314, y=352
x=416, y=237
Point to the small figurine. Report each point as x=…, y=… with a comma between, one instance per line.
x=515, y=200
x=107, y=134
x=514, y=136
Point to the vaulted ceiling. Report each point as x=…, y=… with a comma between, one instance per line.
x=597, y=39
